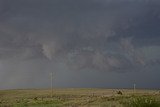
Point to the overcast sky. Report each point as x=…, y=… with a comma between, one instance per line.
x=86, y=43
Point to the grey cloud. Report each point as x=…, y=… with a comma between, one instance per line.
x=82, y=29
x=78, y=36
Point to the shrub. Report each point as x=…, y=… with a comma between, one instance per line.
x=142, y=102
x=119, y=92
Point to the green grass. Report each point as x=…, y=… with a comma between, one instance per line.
x=143, y=102
x=79, y=98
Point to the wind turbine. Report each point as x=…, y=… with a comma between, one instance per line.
x=51, y=84
x=134, y=87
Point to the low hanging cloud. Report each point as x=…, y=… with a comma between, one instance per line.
x=92, y=27
x=98, y=35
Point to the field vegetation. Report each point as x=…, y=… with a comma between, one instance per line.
x=80, y=98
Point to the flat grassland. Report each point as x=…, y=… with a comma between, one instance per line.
x=76, y=97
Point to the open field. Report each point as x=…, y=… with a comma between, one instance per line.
x=80, y=98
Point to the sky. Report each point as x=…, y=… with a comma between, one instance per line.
x=85, y=43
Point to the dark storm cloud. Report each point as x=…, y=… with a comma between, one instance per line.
x=77, y=35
